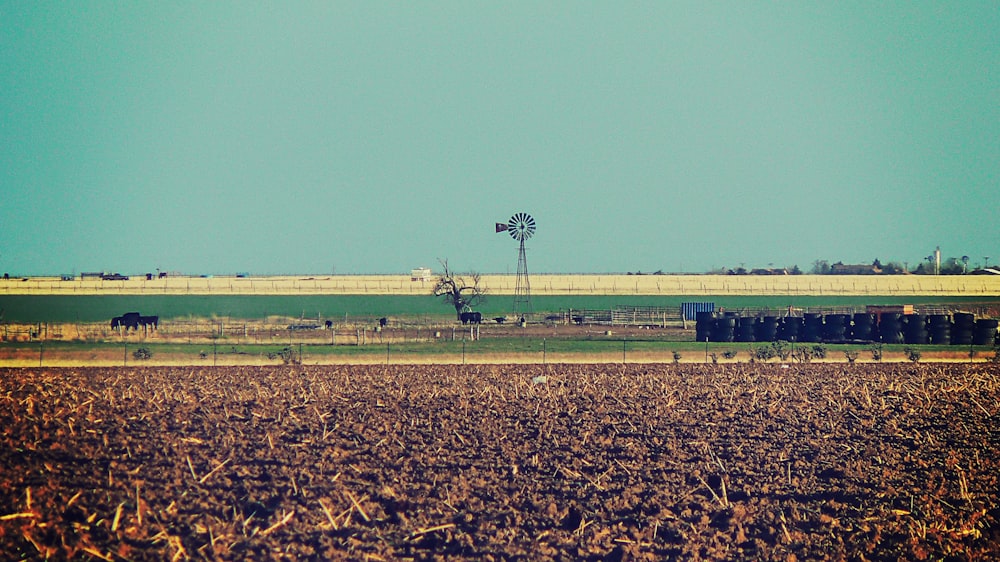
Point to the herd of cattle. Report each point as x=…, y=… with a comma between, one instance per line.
x=477, y=318
x=132, y=321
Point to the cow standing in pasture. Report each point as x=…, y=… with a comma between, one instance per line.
x=471, y=317
x=130, y=320
x=149, y=323
x=125, y=322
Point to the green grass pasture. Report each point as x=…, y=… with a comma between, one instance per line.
x=99, y=308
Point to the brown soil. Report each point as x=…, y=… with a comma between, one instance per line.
x=557, y=462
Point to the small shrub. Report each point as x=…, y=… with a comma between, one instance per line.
x=780, y=349
x=876, y=349
x=677, y=357
x=851, y=355
x=819, y=351
x=730, y=353
x=715, y=358
x=763, y=353
x=996, y=356
x=802, y=354
x=142, y=353
x=287, y=356
x=912, y=354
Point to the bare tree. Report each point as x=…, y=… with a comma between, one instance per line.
x=458, y=290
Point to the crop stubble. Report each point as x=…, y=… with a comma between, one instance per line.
x=552, y=462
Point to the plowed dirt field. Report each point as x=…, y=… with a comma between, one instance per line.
x=496, y=462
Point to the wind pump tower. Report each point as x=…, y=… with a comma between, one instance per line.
x=520, y=227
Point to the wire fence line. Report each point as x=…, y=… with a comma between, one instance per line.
x=235, y=332
x=664, y=285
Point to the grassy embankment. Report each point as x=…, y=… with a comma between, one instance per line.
x=607, y=284
x=344, y=297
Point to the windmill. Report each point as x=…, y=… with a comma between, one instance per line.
x=520, y=227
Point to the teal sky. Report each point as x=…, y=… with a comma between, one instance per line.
x=374, y=137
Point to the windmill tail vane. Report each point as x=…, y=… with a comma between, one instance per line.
x=501, y=226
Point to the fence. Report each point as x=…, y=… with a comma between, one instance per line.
x=722, y=285
x=363, y=331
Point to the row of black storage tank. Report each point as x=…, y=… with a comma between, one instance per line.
x=942, y=329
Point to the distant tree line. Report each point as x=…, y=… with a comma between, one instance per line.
x=927, y=266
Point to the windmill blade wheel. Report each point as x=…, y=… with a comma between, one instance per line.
x=521, y=226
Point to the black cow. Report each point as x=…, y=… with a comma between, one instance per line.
x=329, y=324
x=149, y=322
x=382, y=322
x=130, y=320
x=471, y=317
x=116, y=322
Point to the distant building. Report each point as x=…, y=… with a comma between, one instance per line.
x=854, y=269
x=420, y=274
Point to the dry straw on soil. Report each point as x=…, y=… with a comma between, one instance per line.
x=581, y=462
